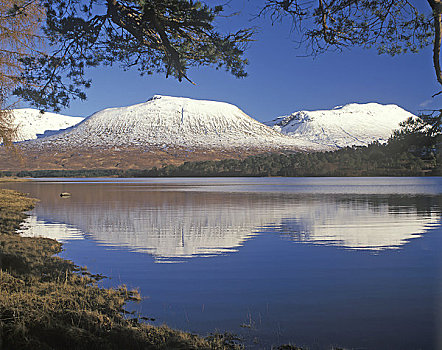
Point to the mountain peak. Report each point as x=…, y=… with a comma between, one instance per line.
x=173, y=122
x=353, y=124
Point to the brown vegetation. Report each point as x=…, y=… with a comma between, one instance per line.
x=19, y=24
x=124, y=158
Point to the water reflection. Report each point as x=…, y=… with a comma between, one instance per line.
x=34, y=227
x=291, y=281
x=358, y=226
x=173, y=225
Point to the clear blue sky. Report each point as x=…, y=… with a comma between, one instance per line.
x=279, y=82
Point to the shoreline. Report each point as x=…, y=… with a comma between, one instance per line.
x=47, y=302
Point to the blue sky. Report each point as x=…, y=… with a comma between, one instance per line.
x=279, y=82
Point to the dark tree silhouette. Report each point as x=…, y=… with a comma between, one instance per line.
x=169, y=36
x=392, y=26
x=155, y=36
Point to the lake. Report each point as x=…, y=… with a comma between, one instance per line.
x=318, y=262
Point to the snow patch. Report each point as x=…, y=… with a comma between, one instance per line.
x=350, y=125
x=32, y=124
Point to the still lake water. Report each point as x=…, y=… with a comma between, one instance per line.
x=351, y=262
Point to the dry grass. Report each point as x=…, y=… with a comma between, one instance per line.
x=12, y=179
x=124, y=158
x=49, y=303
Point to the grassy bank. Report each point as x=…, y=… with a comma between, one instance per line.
x=47, y=302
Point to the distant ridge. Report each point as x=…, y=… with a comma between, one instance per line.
x=350, y=125
x=32, y=123
x=173, y=130
x=165, y=121
x=163, y=130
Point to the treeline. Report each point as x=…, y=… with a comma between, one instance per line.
x=392, y=159
x=374, y=160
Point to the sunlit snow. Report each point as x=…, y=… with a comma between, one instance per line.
x=350, y=125
x=173, y=121
x=165, y=121
x=31, y=123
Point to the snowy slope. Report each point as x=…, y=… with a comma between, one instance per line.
x=165, y=121
x=33, y=124
x=352, y=124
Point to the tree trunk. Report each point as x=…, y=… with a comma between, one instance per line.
x=436, y=6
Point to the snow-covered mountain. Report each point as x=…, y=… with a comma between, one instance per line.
x=352, y=124
x=171, y=130
x=165, y=121
x=33, y=124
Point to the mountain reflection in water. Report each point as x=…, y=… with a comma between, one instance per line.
x=321, y=262
x=358, y=225
x=174, y=225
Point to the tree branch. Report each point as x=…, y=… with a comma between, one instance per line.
x=436, y=6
